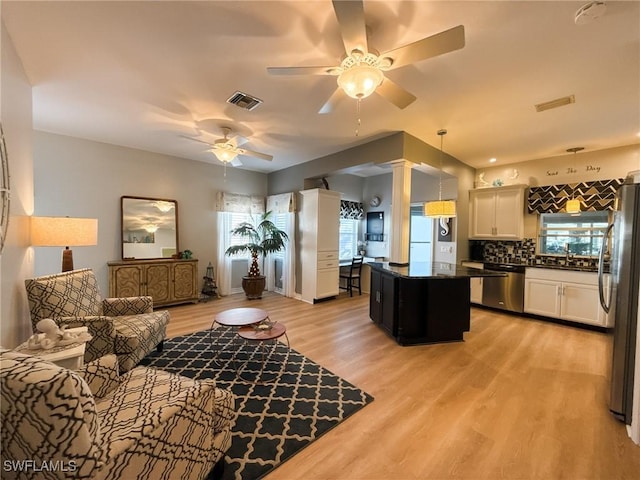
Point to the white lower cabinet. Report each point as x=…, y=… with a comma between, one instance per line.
x=566, y=295
x=476, y=282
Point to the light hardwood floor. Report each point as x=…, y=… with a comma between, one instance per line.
x=518, y=399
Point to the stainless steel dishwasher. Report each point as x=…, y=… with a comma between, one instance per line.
x=506, y=293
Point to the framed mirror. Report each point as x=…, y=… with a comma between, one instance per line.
x=149, y=228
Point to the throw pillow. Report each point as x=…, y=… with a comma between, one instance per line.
x=101, y=375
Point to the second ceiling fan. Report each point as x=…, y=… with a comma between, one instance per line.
x=227, y=149
x=361, y=72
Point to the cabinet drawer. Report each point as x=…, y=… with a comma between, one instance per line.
x=328, y=264
x=329, y=255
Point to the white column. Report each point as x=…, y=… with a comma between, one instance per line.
x=400, y=211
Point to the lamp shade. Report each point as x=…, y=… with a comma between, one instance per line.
x=63, y=231
x=573, y=206
x=440, y=209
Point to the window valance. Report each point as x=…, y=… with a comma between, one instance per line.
x=594, y=196
x=282, y=203
x=238, y=203
x=351, y=210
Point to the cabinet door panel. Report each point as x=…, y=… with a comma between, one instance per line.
x=375, y=298
x=328, y=281
x=184, y=281
x=542, y=297
x=476, y=290
x=158, y=282
x=483, y=214
x=508, y=219
x=388, y=303
x=580, y=303
x=127, y=282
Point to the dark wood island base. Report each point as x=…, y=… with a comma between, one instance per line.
x=423, y=302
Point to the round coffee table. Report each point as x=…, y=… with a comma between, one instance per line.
x=262, y=334
x=239, y=317
x=234, y=317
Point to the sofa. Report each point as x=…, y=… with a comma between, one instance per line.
x=95, y=423
x=127, y=327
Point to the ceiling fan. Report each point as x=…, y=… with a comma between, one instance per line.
x=227, y=150
x=361, y=72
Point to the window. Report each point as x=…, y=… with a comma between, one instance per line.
x=348, y=238
x=236, y=219
x=577, y=234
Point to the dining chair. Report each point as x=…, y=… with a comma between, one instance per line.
x=353, y=276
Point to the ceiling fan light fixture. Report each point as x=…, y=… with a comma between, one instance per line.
x=360, y=74
x=360, y=81
x=224, y=153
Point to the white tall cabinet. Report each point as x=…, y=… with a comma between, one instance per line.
x=319, y=222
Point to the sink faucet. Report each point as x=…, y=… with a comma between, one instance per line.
x=567, y=252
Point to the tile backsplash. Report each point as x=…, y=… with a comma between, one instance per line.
x=523, y=252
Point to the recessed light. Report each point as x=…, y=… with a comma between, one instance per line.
x=493, y=160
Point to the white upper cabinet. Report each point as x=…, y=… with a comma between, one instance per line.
x=497, y=213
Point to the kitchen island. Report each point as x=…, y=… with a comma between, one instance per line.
x=423, y=302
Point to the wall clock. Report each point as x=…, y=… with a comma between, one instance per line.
x=375, y=201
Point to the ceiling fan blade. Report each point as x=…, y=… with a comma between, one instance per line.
x=395, y=93
x=197, y=140
x=251, y=153
x=350, y=16
x=330, y=104
x=443, y=42
x=299, y=70
x=236, y=162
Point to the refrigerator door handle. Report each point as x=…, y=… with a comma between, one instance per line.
x=606, y=305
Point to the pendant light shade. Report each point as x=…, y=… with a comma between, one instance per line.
x=440, y=208
x=573, y=204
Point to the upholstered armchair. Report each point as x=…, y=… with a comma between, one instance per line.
x=127, y=327
x=97, y=424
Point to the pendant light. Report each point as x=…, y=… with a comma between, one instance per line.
x=573, y=204
x=440, y=208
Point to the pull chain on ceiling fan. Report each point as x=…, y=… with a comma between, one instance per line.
x=361, y=73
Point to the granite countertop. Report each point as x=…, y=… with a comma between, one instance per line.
x=433, y=270
x=574, y=268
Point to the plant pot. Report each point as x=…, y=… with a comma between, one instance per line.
x=254, y=286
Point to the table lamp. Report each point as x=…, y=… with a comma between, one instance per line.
x=64, y=232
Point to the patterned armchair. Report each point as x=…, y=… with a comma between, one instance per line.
x=93, y=423
x=127, y=327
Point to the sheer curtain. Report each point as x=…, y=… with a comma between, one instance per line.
x=226, y=205
x=284, y=205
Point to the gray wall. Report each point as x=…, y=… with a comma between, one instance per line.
x=16, y=261
x=82, y=178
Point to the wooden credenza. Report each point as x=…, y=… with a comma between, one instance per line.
x=169, y=282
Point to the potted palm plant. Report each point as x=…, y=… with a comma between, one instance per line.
x=262, y=238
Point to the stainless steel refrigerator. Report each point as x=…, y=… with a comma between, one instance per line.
x=623, y=300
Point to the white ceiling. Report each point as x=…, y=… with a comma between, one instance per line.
x=141, y=74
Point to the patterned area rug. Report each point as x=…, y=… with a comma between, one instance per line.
x=295, y=402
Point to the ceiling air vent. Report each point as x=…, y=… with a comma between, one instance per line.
x=244, y=100
x=558, y=102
